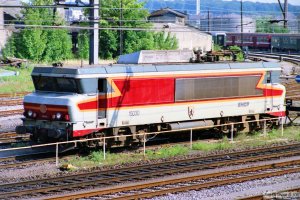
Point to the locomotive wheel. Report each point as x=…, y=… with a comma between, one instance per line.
x=95, y=143
x=270, y=124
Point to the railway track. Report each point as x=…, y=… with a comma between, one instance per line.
x=69, y=183
x=11, y=95
x=7, y=113
x=295, y=59
x=195, y=182
x=8, y=134
x=280, y=195
x=14, y=140
x=12, y=102
x=20, y=161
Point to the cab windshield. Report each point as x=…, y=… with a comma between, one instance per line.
x=55, y=84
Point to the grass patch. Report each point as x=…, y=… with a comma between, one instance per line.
x=96, y=159
x=21, y=83
x=167, y=152
x=257, y=139
x=205, y=146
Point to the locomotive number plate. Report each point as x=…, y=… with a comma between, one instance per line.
x=134, y=113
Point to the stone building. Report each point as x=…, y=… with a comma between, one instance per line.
x=7, y=20
x=189, y=38
x=167, y=15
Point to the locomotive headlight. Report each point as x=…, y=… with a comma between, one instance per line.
x=58, y=115
x=29, y=113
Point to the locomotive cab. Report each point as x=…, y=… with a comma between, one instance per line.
x=61, y=109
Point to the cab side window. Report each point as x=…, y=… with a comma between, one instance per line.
x=268, y=78
x=102, y=85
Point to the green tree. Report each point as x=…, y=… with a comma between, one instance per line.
x=238, y=52
x=134, y=16
x=165, y=41
x=83, y=45
x=58, y=46
x=10, y=47
x=37, y=43
x=267, y=25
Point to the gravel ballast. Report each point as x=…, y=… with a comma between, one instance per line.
x=234, y=191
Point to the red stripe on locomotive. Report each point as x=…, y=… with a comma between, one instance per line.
x=153, y=91
x=143, y=92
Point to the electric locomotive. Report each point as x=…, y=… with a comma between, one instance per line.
x=74, y=103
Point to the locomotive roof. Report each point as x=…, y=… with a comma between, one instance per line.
x=122, y=68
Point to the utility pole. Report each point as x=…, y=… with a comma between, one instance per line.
x=208, y=22
x=121, y=31
x=242, y=28
x=94, y=33
x=284, y=11
x=198, y=12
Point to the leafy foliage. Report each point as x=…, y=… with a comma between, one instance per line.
x=217, y=47
x=83, y=44
x=10, y=47
x=264, y=25
x=134, y=16
x=38, y=44
x=240, y=56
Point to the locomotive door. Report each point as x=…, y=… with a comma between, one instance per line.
x=269, y=96
x=102, y=98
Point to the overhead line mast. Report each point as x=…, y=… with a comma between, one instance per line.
x=94, y=25
x=284, y=11
x=94, y=33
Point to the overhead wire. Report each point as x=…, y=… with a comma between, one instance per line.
x=148, y=9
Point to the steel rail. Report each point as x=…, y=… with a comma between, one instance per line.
x=8, y=134
x=12, y=102
x=262, y=196
x=172, y=185
x=14, y=140
x=10, y=95
x=289, y=58
x=110, y=177
x=11, y=112
x=19, y=161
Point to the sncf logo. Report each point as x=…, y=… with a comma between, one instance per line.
x=43, y=108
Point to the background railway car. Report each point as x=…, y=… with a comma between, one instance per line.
x=286, y=42
x=219, y=38
x=260, y=41
x=73, y=103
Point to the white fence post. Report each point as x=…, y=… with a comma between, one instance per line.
x=104, y=153
x=191, y=139
x=231, y=132
x=144, y=147
x=265, y=128
x=56, y=156
x=281, y=126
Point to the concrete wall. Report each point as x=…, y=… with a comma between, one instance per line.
x=188, y=38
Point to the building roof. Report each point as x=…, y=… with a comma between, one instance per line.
x=164, y=11
x=13, y=12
